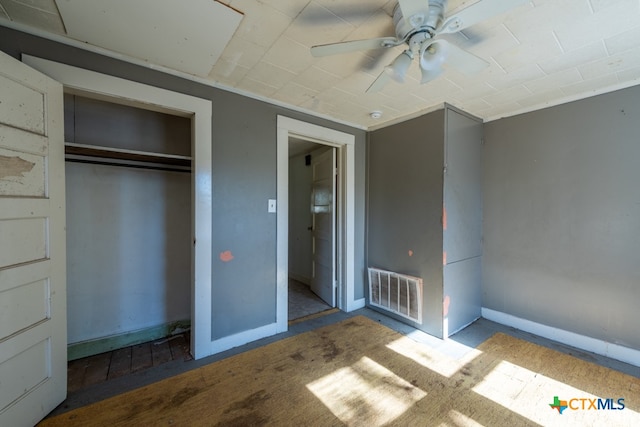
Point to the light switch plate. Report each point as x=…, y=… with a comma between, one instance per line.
x=272, y=206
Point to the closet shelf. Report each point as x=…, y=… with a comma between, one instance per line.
x=84, y=152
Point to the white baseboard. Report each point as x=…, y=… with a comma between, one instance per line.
x=241, y=338
x=355, y=304
x=446, y=333
x=603, y=348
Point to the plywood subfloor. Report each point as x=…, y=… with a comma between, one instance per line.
x=117, y=363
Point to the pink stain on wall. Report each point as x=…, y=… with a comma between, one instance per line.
x=226, y=256
x=444, y=257
x=445, y=305
x=410, y=252
x=444, y=217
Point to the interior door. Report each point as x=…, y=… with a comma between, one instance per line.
x=323, y=189
x=33, y=329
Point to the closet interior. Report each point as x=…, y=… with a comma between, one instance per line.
x=129, y=224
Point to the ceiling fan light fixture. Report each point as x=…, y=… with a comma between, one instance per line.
x=428, y=75
x=433, y=55
x=398, y=68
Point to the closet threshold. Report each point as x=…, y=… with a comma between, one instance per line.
x=120, y=157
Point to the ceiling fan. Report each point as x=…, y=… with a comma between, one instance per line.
x=419, y=24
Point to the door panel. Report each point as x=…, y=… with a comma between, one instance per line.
x=323, y=235
x=33, y=331
x=26, y=107
x=30, y=240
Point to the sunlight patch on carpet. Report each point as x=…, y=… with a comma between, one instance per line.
x=461, y=420
x=532, y=395
x=430, y=358
x=365, y=393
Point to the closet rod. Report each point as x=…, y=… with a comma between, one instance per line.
x=126, y=163
x=108, y=155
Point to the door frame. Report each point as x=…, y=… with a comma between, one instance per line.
x=345, y=230
x=105, y=87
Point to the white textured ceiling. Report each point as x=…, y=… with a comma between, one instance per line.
x=541, y=53
x=172, y=37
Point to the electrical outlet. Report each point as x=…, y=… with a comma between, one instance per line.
x=272, y=206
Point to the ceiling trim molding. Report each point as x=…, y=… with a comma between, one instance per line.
x=566, y=100
x=407, y=117
x=58, y=38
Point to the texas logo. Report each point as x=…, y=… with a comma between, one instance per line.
x=558, y=404
x=587, y=404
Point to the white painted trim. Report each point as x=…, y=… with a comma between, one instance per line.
x=603, y=348
x=135, y=61
x=244, y=337
x=346, y=143
x=357, y=304
x=144, y=96
x=349, y=208
x=282, y=228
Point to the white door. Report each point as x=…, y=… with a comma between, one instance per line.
x=323, y=190
x=33, y=325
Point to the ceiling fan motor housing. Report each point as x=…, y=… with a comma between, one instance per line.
x=420, y=22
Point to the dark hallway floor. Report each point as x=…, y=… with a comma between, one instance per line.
x=303, y=302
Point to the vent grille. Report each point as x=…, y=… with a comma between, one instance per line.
x=397, y=293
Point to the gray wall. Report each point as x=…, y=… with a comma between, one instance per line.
x=405, y=206
x=562, y=217
x=244, y=177
x=128, y=249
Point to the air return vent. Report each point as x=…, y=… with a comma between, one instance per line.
x=397, y=293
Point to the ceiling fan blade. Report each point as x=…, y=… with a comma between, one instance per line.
x=353, y=46
x=462, y=60
x=379, y=83
x=477, y=12
x=415, y=12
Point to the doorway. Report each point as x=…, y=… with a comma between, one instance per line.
x=343, y=145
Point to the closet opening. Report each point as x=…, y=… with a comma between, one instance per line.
x=129, y=226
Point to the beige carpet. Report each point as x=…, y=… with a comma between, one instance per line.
x=358, y=372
